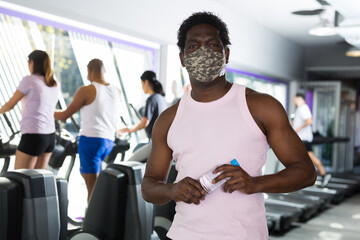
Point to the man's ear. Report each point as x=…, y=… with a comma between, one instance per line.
x=227, y=54
x=181, y=55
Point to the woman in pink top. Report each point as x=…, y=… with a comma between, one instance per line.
x=38, y=93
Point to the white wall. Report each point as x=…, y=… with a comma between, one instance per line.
x=254, y=47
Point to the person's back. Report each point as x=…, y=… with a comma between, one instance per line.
x=99, y=105
x=155, y=105
x=198, y=149
x=302, y=113
x=38, y=94
x=99, y=118
x=38, y=105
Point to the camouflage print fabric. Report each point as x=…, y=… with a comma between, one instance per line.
x=205, y=64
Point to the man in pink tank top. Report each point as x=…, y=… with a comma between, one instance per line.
x=214, y=123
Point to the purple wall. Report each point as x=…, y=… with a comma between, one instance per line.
x=309, y=99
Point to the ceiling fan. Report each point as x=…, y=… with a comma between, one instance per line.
x=312, y=12
x=330, y=24
x=329, y=19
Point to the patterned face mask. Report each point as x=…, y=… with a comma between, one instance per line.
x=204, y=64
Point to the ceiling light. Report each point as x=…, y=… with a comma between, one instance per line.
x=353, y=52
x=324, y=28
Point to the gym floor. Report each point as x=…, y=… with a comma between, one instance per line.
x=77, y=193
x=337, y=222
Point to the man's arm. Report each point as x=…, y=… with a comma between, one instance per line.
x=82, y=97
x=154, y=187
x=299, y=171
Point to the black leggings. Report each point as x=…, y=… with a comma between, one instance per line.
x=37, y=144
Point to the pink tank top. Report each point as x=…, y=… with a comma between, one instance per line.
x=202, y=136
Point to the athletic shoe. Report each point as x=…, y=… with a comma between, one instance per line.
x=326, y=179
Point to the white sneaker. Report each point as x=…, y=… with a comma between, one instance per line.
x=326, y=180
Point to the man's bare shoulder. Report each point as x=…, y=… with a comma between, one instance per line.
x=261, y=101
x=265, y=109
x=85, y=95
x=167, y=116
x=164, y=121
x=87, y=88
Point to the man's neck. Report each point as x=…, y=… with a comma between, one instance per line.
x=210, y=91
x=99, y=80
x=302, y=103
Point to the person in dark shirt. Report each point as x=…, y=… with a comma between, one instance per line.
x=155, y=104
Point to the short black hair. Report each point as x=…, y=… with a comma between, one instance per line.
x=203, y=18
x=155, y=84
x=148, y=75
x=300, y=94
x=96, y=65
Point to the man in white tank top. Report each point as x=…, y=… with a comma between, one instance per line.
x=99, y=109
x=214, y=123
x=302, y=125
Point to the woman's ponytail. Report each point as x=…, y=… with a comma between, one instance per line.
x=42, y=66
x=156, y=85
x=49, y=75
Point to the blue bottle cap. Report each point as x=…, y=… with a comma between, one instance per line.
x=234, y=162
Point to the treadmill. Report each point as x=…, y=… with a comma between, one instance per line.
x=327, y=194
x=347, y=186
x=310, y=205
x=352, y=185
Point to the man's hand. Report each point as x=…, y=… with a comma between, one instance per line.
x=187, y=190
x=238, y=179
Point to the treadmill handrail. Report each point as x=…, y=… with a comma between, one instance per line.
x=11, y=129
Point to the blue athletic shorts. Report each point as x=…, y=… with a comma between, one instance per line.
x=92, y=151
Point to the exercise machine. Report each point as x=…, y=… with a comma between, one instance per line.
x=116, y=209
x=6, y=148
x=29, y=205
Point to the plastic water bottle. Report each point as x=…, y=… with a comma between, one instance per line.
x=206, y=179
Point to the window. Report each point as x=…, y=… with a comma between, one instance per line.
x=14, y=49
x=275, y=88
x=70, y=50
